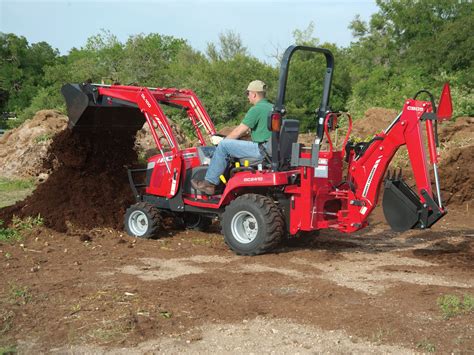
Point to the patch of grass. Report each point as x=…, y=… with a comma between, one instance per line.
x=14, y=233
x=12, y=191
x=201, y=241
x=6, y=318
x=20, y=295
x=43, y=137
x=166, y=314
x=427, y=346
x=452, y=306
x=14, y=184
x=113, y=330
x=8, y=350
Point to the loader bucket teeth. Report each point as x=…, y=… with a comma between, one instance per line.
x=401, y=206
x=86, y=111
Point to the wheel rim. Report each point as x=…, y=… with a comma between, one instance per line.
x=244, y=227
x=138, y=223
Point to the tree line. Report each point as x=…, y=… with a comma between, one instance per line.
x=406, y=45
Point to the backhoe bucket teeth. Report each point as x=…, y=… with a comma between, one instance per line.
x=401, y=206
x=88, y=111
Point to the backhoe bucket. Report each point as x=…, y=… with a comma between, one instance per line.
x=401, y=206
x=89, y=111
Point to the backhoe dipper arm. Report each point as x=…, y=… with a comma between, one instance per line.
x=367, y=170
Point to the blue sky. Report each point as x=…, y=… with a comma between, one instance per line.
x=263, y=25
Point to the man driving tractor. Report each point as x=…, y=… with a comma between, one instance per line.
x=256, y=121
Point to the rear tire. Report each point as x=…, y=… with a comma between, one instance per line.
x=252, y=224
x=142, y=220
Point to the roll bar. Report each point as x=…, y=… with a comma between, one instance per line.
x=279, y=107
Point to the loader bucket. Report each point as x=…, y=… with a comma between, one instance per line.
x=88, y=111
x=401, y=206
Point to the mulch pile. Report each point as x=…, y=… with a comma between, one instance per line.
x=23, y=149
x=90, y=186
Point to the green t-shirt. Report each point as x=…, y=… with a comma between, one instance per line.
x=256, y=119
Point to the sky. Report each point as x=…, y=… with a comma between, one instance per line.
x=264, y=26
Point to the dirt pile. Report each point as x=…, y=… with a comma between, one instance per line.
x=456, y=176
x=145, y=145
x=457, y=160
x=90, y=186
x=375, y=120
x=23, y=149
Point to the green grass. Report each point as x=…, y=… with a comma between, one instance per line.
x=8, y=350
x=43, y=138
x=452, y=306
x=427, y=346
x=12, y=190
x=14, y=185
x=20, y=295
x=14, y=232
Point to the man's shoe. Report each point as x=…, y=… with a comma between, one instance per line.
x=204, y=186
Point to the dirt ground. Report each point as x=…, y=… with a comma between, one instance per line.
x=98, y=291
x=78, y=284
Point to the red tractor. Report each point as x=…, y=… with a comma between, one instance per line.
x=296, y=188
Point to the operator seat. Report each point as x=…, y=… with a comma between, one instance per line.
x=288, y=135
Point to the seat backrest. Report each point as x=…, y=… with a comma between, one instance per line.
x=288, y=135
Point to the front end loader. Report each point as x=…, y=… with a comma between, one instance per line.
x=296, y=188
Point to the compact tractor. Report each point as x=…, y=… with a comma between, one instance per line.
x=296, y=188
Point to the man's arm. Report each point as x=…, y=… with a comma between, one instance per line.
x=238, y=131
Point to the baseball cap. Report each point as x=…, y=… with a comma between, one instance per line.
x=257, y=85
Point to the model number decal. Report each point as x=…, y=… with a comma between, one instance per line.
x=414, y=108
x=371, y=176
x=252, y=179
x=146, y=100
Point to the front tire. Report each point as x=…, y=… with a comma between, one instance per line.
x=142, y=220
x=252, y=225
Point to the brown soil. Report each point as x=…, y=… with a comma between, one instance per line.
x=90, y=186
x=97, y=290
x=375, y=120
x=456, y=175
x=144, y=143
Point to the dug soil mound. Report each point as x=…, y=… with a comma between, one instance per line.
x=23, y=149
x=145, y=145
x=375, y=120
x=456, y=175
x=90, y=186
x=87, y=184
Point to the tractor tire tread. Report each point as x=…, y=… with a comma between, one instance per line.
x=273, y=219
x=155, y=218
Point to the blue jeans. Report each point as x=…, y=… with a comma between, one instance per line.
x=230, y=148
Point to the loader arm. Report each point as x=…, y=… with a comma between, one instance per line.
x=88, y=105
